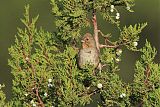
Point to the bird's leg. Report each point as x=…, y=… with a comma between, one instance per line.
x=99, y=67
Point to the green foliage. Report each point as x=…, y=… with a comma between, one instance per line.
x=45, y=70
x=109, y=58
x=32, y=63
x=129, y=35
x=103, y=7
x=74, y=15
x=114, y=91
x=146, y=84
x=3, y=98
x=68, y=81
x=71, y=17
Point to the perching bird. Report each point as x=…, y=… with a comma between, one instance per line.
x=88, y=54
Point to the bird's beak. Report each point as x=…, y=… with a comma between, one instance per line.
x=82, y=41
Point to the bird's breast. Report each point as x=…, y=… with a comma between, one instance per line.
x=88, y=56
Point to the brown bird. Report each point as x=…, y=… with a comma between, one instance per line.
x=88, y=54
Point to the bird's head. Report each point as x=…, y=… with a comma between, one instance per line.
x=88, y=41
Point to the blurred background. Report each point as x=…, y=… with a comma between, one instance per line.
x=12, y=10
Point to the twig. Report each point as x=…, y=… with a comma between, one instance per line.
x=103, y=34
x=107, y=46
x=89, y=93
x=107, y=40
x=147, y=74
x=113, y=46
x=39, y=99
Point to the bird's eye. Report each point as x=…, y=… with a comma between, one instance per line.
x=87, y=39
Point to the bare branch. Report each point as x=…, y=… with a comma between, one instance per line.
x=108, y=35
x=39, y=99
x=107, y=46
x=95, y=30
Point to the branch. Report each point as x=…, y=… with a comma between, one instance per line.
x=94, y=20
x=147, y=74
x=107, y=46
x=113, y=46
x=106, y=37
x=89, y=93
x=118, y=3
x=39, y=99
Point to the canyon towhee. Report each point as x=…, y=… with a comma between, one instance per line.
x=88, y=54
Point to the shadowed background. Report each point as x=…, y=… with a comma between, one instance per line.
x=12, y=10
